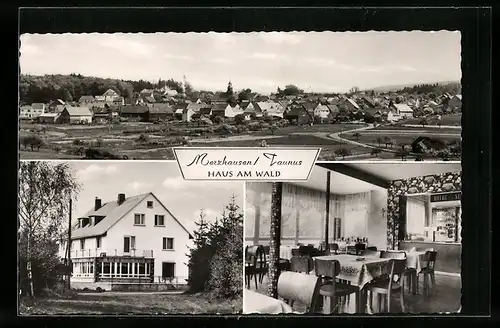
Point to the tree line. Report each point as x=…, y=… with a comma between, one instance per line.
x=71, y=87
x=452, y=88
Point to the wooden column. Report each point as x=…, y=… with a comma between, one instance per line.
x=275, y=238
x=256, y=232
x=327, y=212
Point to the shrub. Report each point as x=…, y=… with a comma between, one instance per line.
x=32, y=141
x=77, y=142
x=143, y=138
x=343, y=152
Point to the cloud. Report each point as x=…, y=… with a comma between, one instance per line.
x=137, y=185
x=126, y=46
x=95, y=171
x=210, y=214
x=280, y=38
x=261, y=55
x=220, y=60
x=180, y=57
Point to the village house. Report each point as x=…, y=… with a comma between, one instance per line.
x=401, y=110
x=321, y=111
x=161, y=112
x=455, y=103
x=348, y=105
x=269, y=108
x=50, y=118
x=135, y=112
x=232, y=111
x=192, y=109
x=31, y=112
x=219, y=110
x=179, y=110
x=75, y=115
x=129, y=240
x=86, y=99
x=146, y=93
x=298, y=114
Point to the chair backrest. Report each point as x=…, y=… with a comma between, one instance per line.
x=267, y=249
x=251, y=254
x=329, y=269
x=304, y=288
x=295, y=252
x=430, y=258
x=360, y=247
x=371, y=253
x=398, y=267
x=393, y=255
x=261, y=257
x=334, y=247
x=372, y=248
x=300, y=264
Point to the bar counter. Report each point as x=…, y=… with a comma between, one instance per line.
x=449, y=254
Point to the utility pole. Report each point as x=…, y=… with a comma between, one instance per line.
x=69, y=264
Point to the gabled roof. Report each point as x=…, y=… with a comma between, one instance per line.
x=219, y=107
x=38, y=106
x=459, y=96
x=196, y=107
x=86, y=98
x=353, y=103
x=269, y=106
x=78, y=111
x=161, y=109
x=112, y=213
x=333, y=109
x=49, y=115
x=403, y=108
x=110, y=92
x=134, y=109
x=369, y=101
x=146, y=91
x=150, y=99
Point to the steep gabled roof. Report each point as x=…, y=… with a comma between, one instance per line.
x=353, y=103
x=112, y=213
x=219, y=107
x=134, y=109
x=403, y=108
x=161, y=109
x=78, y=111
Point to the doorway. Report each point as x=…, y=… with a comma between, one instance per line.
x=167, y=270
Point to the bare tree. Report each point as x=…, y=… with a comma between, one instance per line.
x=44, y=193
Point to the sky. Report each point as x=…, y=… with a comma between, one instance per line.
x=183, y=198
x=261, y=61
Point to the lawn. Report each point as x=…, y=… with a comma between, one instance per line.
x=450, y=119
x=132, y=304
x=328, y=128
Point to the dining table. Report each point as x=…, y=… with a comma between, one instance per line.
x=254, y=302
x=358, y=271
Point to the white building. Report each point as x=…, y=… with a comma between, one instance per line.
x=33, y=111
x=130, y=240
x=232, y=111
x=402, y=111
x=322, y=111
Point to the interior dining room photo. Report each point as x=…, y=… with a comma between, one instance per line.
x=356, y=238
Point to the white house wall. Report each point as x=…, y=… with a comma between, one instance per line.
x=149, y=237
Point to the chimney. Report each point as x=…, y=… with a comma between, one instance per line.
x=98, y=204
x=121, y=198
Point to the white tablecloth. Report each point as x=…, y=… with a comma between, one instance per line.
x=286, y=252
x=258, y=303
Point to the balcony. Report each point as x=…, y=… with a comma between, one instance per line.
x=90, y=253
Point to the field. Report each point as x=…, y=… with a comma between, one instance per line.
x=145, y=303
x=147, y=141
x=450, y=120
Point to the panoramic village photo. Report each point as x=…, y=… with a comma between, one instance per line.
x=356, y=238
x=358, y=95
x=127, y=238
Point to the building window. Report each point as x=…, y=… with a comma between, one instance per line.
x=139, y=219
x=82, y=243
x=159, y=220
x=168, y=243
x=98, y=242
x=150, y=204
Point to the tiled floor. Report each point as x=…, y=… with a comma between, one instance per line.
x=444, y=297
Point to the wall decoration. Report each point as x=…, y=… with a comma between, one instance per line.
x=445, y=182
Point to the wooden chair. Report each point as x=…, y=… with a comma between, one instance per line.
x=262, y=267
x=300, y=287
x=359, y=248
x=251, y=265
x=371, y=253
x=409, y=273
x=301, y=264
x=334, y=248
x=428, y=271
x=389, y=284
x=295, y=252
x=334, y=293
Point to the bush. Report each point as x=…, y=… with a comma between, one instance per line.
x=143, y=138
x=32, y=141
x=77, y=142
